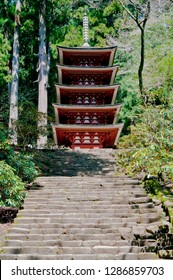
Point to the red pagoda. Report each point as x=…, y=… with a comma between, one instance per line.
x=85, y=111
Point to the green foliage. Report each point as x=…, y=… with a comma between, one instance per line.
x=12, y=190
x=4, y=60
x=159, y=70
x=22, y=163
x=27, y=124
x=24, y=167
x=149, y=147
x=103, y=22
x=5, y=149
x=73, y=38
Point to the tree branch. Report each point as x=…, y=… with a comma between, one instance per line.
x=147, y=13
x=127, y=10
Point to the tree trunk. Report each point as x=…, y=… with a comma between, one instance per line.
x=141, y=23
x=13, y=116
x=42, y=80
x=141, y=65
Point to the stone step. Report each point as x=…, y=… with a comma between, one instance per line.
x=83, y=221
x=85, y=186
x=76, y=188
x=70, y=228
x=121, y=256
x=49, y=250
x=93, y=190
x=83, y=213
x=113, y=214
x=89, y=206
x=83, y=218
x=104, y=203
x=102, y=200
x=79, y=215
x=77, y=222
x=63, y=237
x=65, y=243
x=127, y=230
x=77, y=185
x=91, y=184
x=103, y=195
x=88, y=179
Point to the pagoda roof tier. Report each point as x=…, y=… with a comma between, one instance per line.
x=88, y=56
x=86, y=95
x=86, y=115
x=84, y=136
x=86, y=76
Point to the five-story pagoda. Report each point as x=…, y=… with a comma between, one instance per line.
x=85, y=111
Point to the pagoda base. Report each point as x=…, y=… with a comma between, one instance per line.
x=89, y=137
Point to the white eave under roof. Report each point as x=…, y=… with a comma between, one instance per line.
x=93, y=128
x=85, y=90
x=89, y=108
x=101, y=69
x=86, y=50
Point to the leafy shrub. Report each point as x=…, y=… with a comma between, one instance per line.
x=24, y=167
x=12, y=189
x=149, y=147
x=22, y=163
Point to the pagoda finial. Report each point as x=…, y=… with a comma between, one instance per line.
x=85, y=31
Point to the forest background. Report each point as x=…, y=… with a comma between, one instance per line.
x=146, y=144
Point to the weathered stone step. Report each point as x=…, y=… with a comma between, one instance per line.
x=113, y=214
x=75, y=187
x=84, y=195
x=70, y=228
x=126, y=229
x=69, y=198
x=53, y=179
x=84, y=221
x=84, y=191
x=122, y=256
x=64, y=237
x=89, y=185
x=89, y=178
x=84, y=217
x=71, y=250
x=89, y=211
x=77, y=184
x=66, y=243
x=86, y=201
x=78, y=215
x=86, y=207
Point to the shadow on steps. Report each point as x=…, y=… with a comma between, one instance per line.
x=66, y=162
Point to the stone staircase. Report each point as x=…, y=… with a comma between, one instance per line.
x=84, y=212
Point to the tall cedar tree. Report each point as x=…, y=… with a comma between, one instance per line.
x=13, y=117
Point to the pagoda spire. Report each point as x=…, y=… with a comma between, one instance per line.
x=85, y=31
